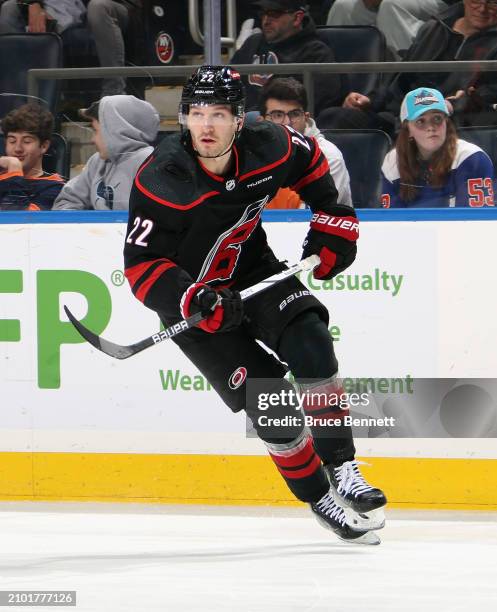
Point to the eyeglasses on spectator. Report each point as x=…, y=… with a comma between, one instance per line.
x=278, y=116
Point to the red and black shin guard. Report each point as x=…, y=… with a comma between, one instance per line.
x=301, y=467
x=325, y=406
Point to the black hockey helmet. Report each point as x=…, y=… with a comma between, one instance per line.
x=213, y=85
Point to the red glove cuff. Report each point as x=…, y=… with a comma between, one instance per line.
x=345, y=227
x=187, y=297
x=213, y=322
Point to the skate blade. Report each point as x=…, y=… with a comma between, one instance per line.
x=369, y=521
x=368, y=539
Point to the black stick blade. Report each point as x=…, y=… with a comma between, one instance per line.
x=105, y=346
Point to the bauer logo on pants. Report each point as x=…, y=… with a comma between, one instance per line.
x=238, y=377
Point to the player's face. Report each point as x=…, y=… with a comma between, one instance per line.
x=97, y=139
x=429, y=131
x=286, y=112
x=480, y=14
x=212, y=128
x=28, y=149
x=278, y=25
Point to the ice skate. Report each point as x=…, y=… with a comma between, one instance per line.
x=332, y=516
x=362, y=503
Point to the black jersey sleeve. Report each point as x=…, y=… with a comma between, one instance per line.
x=309, y=174
x=150, y=256
x=334, y=228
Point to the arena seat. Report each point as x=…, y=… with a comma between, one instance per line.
x=483, y=136
x=56, y=159
x=356, y=44
x=19, y=53
x=363, y=152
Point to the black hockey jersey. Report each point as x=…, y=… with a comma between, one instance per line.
x=188, y=225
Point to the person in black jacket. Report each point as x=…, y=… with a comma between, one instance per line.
x=465, y=31
x=288, y=36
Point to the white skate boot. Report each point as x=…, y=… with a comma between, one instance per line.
x=332, y=516
x=362, y=503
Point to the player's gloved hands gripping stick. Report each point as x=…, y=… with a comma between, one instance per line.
x=223, y=309
x=333, y=237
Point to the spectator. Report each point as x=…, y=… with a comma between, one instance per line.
x=124, y=128
x=430, y=166
x=284, y=101
x=23, y=183
x=39, y=16
x=288, y=36
x=107, y=20
x=399, y=20
x=466, y=31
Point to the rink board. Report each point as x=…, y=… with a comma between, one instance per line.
x=419, y=301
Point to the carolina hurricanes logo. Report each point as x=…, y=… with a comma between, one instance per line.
x=164, y=47
x=230, y=185
x=237, y=378
x=221, y=261
x=259, y=80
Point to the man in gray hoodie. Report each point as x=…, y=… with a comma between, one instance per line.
x=124, y=128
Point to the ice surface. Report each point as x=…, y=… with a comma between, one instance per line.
x=191, y=558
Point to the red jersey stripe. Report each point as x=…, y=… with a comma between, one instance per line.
x=320, y=171
x=155, y=198
x=136, y=272
x=317, y=153
x=213, y=176
x=141, y=294
x=274, y=164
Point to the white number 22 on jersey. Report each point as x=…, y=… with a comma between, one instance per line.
x=297, y=138
x=146, y=225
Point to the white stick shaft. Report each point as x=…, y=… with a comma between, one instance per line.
x=305, y=264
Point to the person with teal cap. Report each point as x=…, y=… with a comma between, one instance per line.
x=430, y=167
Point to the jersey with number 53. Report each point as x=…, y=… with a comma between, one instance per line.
x=188, y=225
x=469, y=182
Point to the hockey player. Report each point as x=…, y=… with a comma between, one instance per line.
x=195, y=239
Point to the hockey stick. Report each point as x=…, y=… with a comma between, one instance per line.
x=123, y=352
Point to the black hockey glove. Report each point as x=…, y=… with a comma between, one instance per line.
x=333, y=237
x=223, y=310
